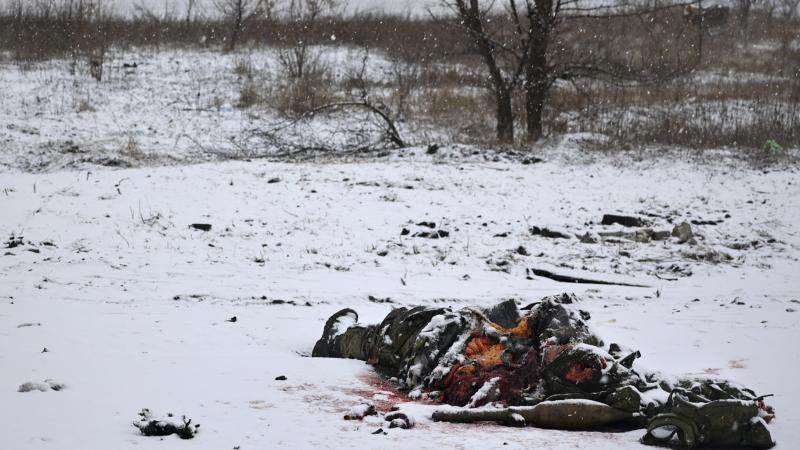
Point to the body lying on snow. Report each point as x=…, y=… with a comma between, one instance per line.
x=548, y=369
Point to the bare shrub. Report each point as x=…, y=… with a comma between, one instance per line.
x=243, y=68
x=84, y=106
x=302, y=19
x=299, y=96
x=238, y=14
x=249, y=95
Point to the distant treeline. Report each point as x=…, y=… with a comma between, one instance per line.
x=46, y=29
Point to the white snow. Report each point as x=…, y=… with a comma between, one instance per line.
x=133, y=303
x=484, y=392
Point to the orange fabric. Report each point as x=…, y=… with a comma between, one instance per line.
x=521, y=330
x=579, y=373
x=485, y=352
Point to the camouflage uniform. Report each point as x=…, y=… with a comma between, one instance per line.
x=472, y=357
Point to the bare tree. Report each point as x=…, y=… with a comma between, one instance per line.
x=190, y=8
x=538, y=42
x=237, y=14
x=303, y=18
x=503, y=74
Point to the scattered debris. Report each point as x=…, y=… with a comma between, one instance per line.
x=14, y=242
x=708, y=254
x=377, y=300
x=48, y=385
x=358, y=412
x=547, y=233
x=641, y=236
x=441, y=234
x=625, y=221
x=151, y=426
x=201, y=226
x=681, y=270
x=400, y=420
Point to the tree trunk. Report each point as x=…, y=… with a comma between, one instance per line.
x=537, y=85
x=238, y=24
x=505, y=118
x=501, y=87
x=535, y=96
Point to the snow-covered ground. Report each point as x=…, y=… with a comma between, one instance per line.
x=177, y=105
x=103, y=270
x=182, y=105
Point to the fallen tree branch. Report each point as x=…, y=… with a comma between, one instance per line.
x=579, y=280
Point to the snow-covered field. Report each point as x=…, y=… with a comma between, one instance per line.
x=177, y=105
x=103, y=270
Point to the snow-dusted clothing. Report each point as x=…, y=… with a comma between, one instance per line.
x=473, y=357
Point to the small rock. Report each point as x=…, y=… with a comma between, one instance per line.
x=232, y=320
x=660, y=235
x=522, y=251
x=201, y=226
x=358, y=412
x=379, y=431
x=33, y=386
x=274, y=180
x=41, y=387
x=588, y=238
x=149, y=425
x=281, y=378
x=684, y=233
x=399, y=420
x=55, y=385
